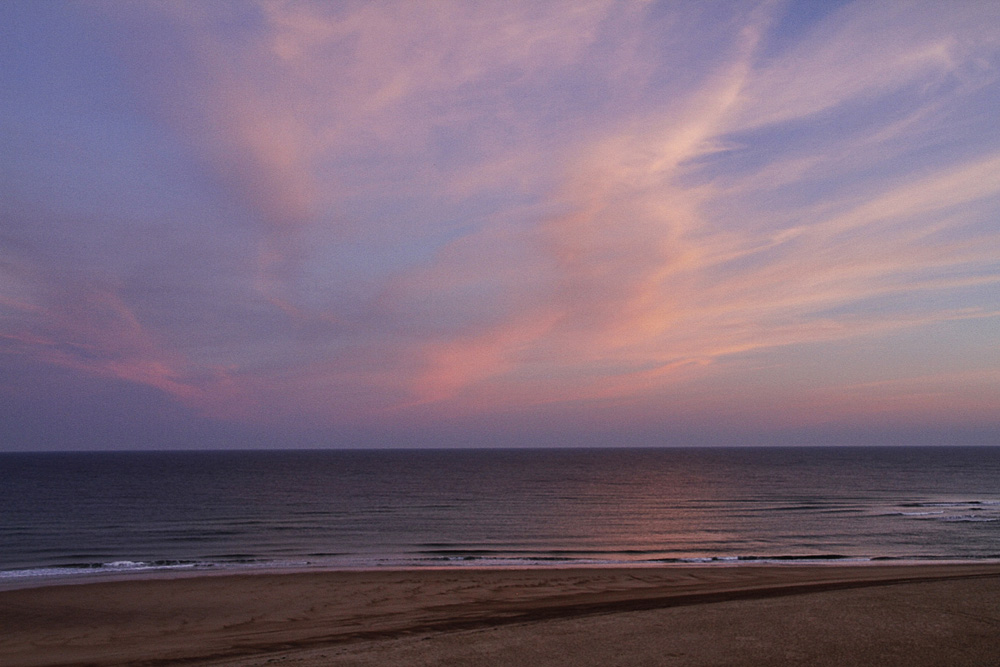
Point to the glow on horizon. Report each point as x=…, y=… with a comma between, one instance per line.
x=640, y=220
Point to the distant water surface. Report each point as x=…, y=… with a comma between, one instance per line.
x=107, y=512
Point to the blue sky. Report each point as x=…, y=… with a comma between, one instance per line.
x=296, y=224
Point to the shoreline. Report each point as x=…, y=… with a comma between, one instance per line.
x=11, y=580
x=428, y=615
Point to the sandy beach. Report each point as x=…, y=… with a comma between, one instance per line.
x=745, y=615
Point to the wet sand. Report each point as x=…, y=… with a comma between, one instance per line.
x=675, y=615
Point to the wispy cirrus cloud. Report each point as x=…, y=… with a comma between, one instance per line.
x=653, y=267
x=384, y=211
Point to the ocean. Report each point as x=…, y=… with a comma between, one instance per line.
x=81, y=514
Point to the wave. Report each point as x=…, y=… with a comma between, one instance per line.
x=947, y=503
x=950, y=511
x=111, y=567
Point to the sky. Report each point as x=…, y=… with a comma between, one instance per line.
x=442, y=224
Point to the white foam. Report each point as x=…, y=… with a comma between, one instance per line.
x=17, y=578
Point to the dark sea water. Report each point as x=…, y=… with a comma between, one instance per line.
x=93, y=513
